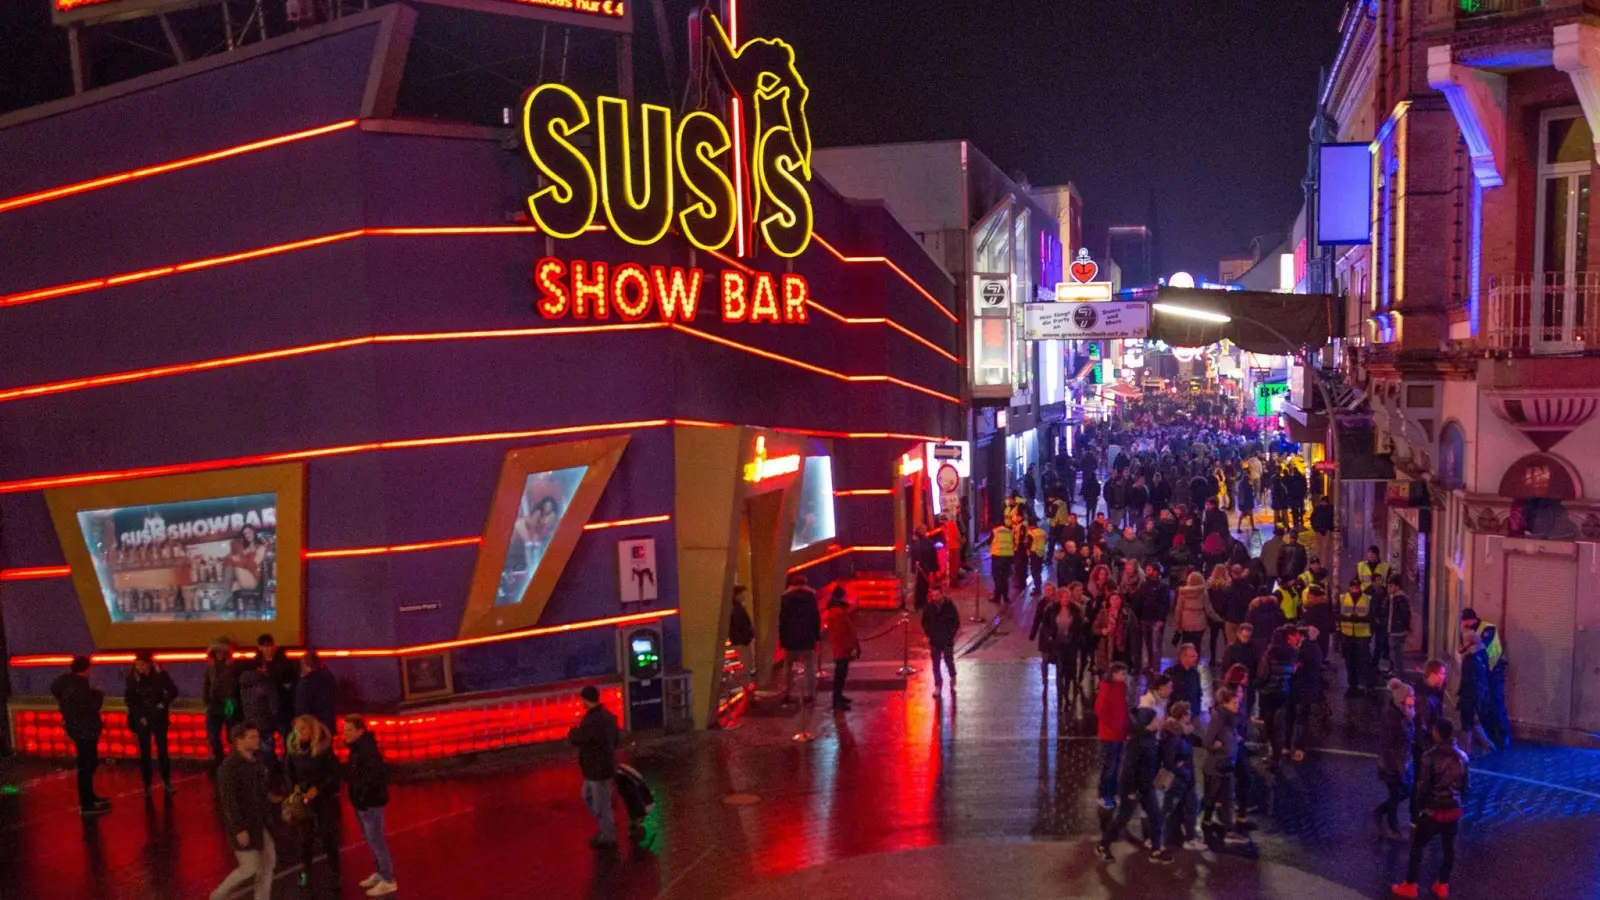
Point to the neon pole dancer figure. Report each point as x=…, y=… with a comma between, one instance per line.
x=763, y=73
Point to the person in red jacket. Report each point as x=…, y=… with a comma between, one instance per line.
x=843, y=642
x=1111, y=714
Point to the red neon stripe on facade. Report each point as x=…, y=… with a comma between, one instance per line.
x=53, y=481
x=865, y=492
x=397, y=548
x=94, y=184
x=819, y=370
x=624, y=523
x=76, y=384
x=32, y=572
x=842, y=551
x=38, y=661
x=896, y=269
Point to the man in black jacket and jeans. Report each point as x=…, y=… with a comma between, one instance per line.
x=596, y=738
x=80, y=715
x=799, y=631
x=367, y=776
x=242, y=789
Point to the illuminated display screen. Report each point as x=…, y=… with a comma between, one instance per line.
x=1344, y=194
x=815, y=523
x=189, y=561
x=545, y=499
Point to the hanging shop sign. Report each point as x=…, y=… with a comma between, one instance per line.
x=993, y=293
x=1084, y=269
x=1092, y=292
x=1087, y=321
x=636, y=571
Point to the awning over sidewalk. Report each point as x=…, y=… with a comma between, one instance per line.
x=1120, y=390
x=1305, y=319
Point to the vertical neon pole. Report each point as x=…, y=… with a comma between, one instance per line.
x=736, y=116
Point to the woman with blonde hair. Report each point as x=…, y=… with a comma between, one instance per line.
x=1217, y=588
x=314, y=802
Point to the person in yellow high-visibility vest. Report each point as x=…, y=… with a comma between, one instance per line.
x=1290, y=594
x=1037, y=547
x=1002, y=547
x=1373, y=573
x=1355, y=636
x=1495, y=719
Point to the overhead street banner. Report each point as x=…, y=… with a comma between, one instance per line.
x=1087, y=321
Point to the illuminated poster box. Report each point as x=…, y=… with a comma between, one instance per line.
x=183, y=560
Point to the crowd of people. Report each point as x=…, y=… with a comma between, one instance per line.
x=1148, y=541
x=251, y=702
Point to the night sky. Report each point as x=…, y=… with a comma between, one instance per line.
x=1205, y=106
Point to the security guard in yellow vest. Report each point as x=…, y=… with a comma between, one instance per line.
x=1037, y=547
x=1355, y=636
x=1495, y=719
x=1002, y=547
x=1373, y=573
x=1290, y=594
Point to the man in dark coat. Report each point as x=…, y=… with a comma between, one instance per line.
x=285, y=673
x=1141, y=760
x=940, y=622
x=246, y=805
x=80, y=704
x=799, y=631
x=317, y=691
x=596, y=738
x=925, y=561
x=367, y=776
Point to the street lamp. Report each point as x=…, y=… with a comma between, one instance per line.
x=1216, y=318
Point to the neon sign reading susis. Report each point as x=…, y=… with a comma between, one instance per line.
x=649, y=175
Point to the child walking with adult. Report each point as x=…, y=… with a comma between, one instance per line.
x=844, y=643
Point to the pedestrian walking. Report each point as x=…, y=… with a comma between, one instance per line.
x=367, y=777
x=1322, y=526
x=596, y=738
x=1192, y=612
x=799, y=632
x=1396, y=740
x=1002, y=548
x=1245, y=499
x=742, y=636
x=940, y=623
x=844, y=643
x=313, y=802
x=80, y=703
x=1045, y=634
x=1221, y=740
x=1397, y=623
x=285, y=673
x=1152, y=606
x=1276, y=681
x=220, y=690
x=258, y=705
x=1184, y=675
x=1430, y=710
x=925, y=563
x=1115, y=632
x=1309, y=689
x=1136, y=789
x=148, y=694
x=1442, y=783
x=1245, y=654
x=1471, y=692
x=1181, y=805
x=246, y=806
x=1038, y=544
x=316, y=693
x=1495, y=719
x=1111, y=729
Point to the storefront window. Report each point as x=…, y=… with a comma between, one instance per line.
x=991, y=242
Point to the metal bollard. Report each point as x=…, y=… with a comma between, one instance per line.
x=906, y=670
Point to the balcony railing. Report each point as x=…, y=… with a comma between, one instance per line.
x=1541, y=313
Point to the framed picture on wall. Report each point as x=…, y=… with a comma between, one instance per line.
x=426, y=675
